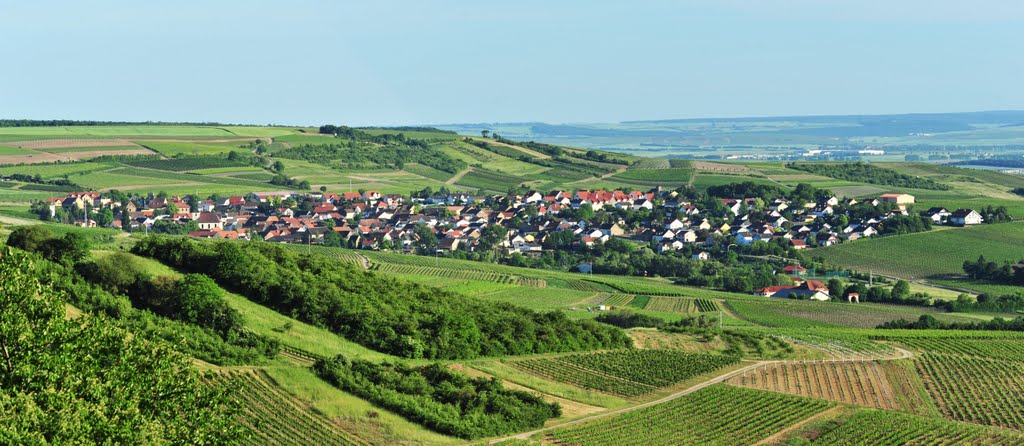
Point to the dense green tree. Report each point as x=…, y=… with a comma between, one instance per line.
x=87, y=381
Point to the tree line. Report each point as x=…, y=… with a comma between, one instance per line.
x=983, y=269
x=867, y=173
x=928, y=322
x=189, y=312
x=388, y=315
x=439, y=398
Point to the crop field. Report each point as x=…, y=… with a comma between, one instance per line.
x=488, y=180
x=628, y=373
x=794, y=313
x=618, y=300
x=48, y=171
x=534, y=298
x=455, y=273
x=185, y=177
x=150, y=131
x=651, y=163
x=274, y=417
x=704, y=305
x=172, y=148
x=428, y=172
x=927, y=254
x=667, y=177
x=838, y=344
x=640, y=287
x=720, y=415
x=671, y=305
x=977, y=390
x=185, y=164
x=578, y=285
x=1003, y=349
x=854, y=382
x=703, y=181
x=877, y=427
x=341, y=255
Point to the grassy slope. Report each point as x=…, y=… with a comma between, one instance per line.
x=931, y=253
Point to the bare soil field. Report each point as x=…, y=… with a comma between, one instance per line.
x=863, y=383
x=68, y=143
x=708, y=166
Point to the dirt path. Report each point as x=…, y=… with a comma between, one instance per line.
x=363, y=261
x=530, y=152
x=778, y=435
x=458, y=176
x=617, y=171
x=682, y=393
x=17, y=221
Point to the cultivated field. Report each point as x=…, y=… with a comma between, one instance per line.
x=935, y=253
x=715, y=415
x=854, y=382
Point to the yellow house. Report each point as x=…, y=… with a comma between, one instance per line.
x=724, y=228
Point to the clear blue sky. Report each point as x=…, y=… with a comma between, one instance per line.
x=390, y=62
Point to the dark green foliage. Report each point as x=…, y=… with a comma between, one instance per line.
x=438, y=398
x=282, y=180
x=385, y=314
x=927, y=322
x=867, y=173
x=37, y=182
x=70, y=248
x=990, y=214
x=355, y=148
x=215, y=335
x=905, y=224
x=194, y=298
x=88, y=381
x=983, y=269
x=746, y=189
x=628, y=319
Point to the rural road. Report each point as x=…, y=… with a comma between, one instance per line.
x=903, y=354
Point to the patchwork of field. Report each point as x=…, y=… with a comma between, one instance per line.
x=718, y=414
x=626, y=373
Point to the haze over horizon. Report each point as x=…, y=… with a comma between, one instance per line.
x=407, y=63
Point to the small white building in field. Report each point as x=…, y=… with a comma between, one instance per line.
x=965, y=217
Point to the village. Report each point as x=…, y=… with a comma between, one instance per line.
x=526, y=224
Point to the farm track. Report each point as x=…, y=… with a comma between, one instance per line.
x=903, y=354
x=617, y=171
x=458, y=176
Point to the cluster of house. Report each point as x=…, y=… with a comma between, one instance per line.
x=371, y=220
x=959, y=217
x=807, y=225
x=802, y=287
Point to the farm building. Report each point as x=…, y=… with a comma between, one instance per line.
x=897, y=198
x=965, y=217
x=795, y=270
